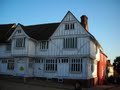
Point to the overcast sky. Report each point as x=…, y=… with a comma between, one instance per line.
x=103, y=17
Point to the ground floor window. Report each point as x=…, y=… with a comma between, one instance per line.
x=92, y=66
x=76, y=65
x=10, y=65
x=65, y=60
x=50, y=65
x=31, y=61
x=39, y=60
x=4, y=61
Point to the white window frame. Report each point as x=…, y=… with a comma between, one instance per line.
x=31, y=62
x=44, y=45
x=39, y=60
x=69, y=26
x=20, y=42
x=70, y=43
x=4, y=61
x=76, y=65
x=8, y=47
x=92, y=66
x=64, y=60
x=50, y=65
x=72, y=26
x=19, y=31
x=10, y=64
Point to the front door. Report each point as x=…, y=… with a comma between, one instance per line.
x=63, y=67
x=3, y=66
x=20, y=68
x=38, y=69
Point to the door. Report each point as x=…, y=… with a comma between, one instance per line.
x=21, y=68
x=3, y=66
x=63, y=68
x=38, y=69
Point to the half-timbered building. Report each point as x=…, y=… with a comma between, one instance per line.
x=64, y=50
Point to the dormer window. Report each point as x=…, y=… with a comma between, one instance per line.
x=20, y=42
x=8, y=47
x=19, y=31
x=69, y=26
x=44, y=45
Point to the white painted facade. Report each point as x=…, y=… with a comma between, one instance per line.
x=24, y=58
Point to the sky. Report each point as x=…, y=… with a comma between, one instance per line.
x=103, y=17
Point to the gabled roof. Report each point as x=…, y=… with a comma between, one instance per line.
x=37, y=32
x=91, y=36
x=5, y=31
x=41, y=31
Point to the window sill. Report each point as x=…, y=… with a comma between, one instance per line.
x=43, y=49
x=19, y=47
x=50, y=71
x=69, y=29
x=75, y=72
x=8, y=51
x=10, y=69
x=69, y=48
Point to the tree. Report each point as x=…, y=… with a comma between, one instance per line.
x=116, y=64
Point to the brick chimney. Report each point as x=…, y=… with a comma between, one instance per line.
x=84, y=22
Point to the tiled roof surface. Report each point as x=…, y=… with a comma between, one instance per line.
x=5, y=31
x=40, y=32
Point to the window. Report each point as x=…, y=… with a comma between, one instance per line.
x=19, y=31
x=72, y=26
x=66, y=26
x=70, y=42
x=20, y=42
x=44, y=45
x=39, y=60
x=10, y=65
x=64, y=60
x=76, y=65
x=69, y=26
x=92, y=65
x=4, y=61
x=50, y=65
x=8, y=47
x=30, y=65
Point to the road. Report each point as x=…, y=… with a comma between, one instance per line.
x=10, y=85
x=7, y=85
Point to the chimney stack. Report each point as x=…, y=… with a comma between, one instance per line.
x=84, y=22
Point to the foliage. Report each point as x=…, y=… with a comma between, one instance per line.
x=116, y=64
x=21, y=68
x=110, y=79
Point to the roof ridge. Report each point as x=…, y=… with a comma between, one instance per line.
x=8, y=24
x=41, y=24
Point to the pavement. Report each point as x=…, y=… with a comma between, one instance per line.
x=71, y=87
x=104, y=87
x=56, y=85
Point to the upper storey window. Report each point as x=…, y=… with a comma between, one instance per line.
x=20, y=42
x=66, y=26
x=44, y=45
x=70, y=43
x=69, y=26
x=72, y=26
x=8, y=47
x=19, y=31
